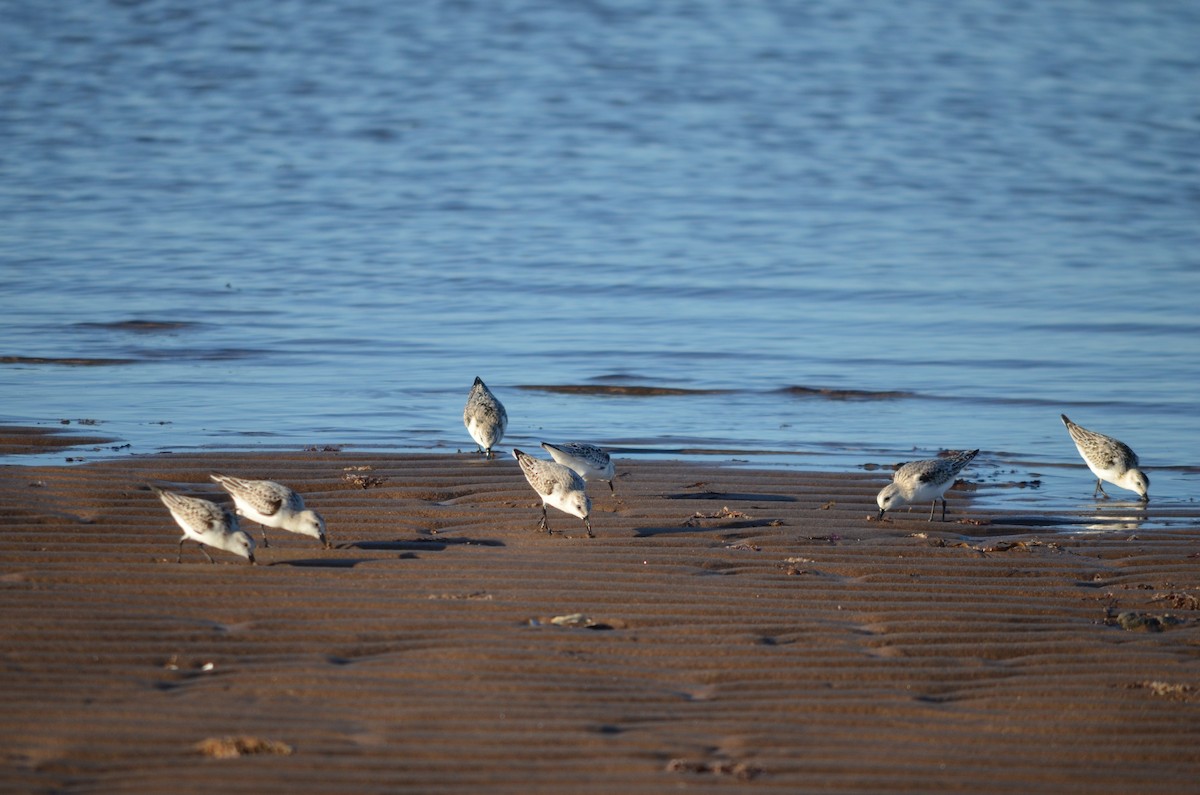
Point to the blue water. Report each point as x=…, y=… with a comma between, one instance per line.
x=343, y=212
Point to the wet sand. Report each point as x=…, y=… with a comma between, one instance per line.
x=727, y=629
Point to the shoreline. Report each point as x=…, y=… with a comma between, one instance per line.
x=1027, y=492
x=726, y=626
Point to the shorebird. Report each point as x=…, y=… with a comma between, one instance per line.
x=484, y=417
x=1109, y=460
x=588, y=460
x=558, y=486
x=273, y=504
x=206, y=523
x=918, y=481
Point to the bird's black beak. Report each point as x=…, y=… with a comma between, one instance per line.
x=879, y=515
x=253, y=562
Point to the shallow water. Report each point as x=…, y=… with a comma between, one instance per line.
x=282, y=225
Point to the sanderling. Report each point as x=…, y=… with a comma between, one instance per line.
x=206, y=523
x=588, y=460
x=273, y=505
x=918, y=481
x=558, y=486
x=484, y=417
x=1109, y=460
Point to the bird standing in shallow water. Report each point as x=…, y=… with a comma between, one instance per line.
x=558, y=486
x=206, y=523
x=918, y=481
x=273, y=504
x=484, y=417
x=588, y=460
x=1109, y=460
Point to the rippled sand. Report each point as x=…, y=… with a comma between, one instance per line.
x=727, y=628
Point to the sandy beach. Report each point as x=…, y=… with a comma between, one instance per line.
x=727, y=629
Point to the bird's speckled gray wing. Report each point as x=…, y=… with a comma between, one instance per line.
x=265, y=496
x=201, y=516
x=1103, y=451
x=483, y=406
x=936, y=470
x=547, y=476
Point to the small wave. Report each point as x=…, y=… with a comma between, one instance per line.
x=66, y=361
x=847, y=394
x=625, y=377
x=140, y=326
x=622, y=390
x=204, y=354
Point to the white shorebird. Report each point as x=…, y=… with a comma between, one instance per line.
x=918, y=481
x=208, y=524
x=273, y=504
x=1109, y=460
x=484, y=417
x=588, y=460
x=558, y=486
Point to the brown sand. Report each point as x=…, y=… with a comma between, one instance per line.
x=727, y=630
